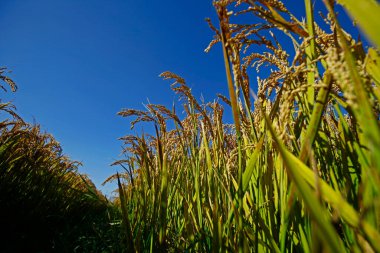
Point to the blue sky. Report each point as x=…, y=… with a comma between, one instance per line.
x=78, y=62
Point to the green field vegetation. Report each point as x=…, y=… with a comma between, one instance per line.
x=298, y=170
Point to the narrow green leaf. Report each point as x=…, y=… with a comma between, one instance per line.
x=366, y=13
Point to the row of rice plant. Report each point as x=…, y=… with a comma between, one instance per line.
x=297, y=171
x=45, y=204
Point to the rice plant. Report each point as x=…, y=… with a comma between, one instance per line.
x=45, y=204
x=297, y=171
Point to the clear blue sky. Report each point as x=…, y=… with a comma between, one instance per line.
x=78, y=62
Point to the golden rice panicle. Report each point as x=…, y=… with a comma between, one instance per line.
x=170, y=75
x=7, y=80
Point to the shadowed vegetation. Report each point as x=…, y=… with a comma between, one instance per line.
x=45, y=204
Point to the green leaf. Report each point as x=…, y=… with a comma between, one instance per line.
x=366, y=13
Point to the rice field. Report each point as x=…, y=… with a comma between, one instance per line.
x=45, y=204
x=297, y=169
